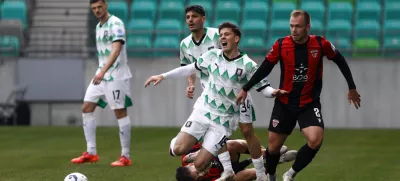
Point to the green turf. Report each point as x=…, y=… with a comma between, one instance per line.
x=43, y=153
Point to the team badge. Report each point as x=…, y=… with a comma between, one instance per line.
x=239, y=72
x=314, y=53
x=106, y=33
x=275, y=123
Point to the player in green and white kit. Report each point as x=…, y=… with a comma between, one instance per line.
x=198, y=42
x=228, y=70
x=112, y=82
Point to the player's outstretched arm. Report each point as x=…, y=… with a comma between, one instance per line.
x=175, y=73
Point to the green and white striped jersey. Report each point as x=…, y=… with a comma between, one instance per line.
x=225, y=80
x=112, y=30
x=190, y=50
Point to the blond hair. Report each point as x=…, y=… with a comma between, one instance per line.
x=307, y=17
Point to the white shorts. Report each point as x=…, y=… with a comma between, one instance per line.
x=116, y=93
x=247, y=113
x=214, y=135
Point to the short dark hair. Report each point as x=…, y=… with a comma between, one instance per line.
x=232, y=26
x=95, y=1
x=183, y=174
x=197, y=9
x=307, y=17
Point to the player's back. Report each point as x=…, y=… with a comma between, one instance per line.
x=112, y=30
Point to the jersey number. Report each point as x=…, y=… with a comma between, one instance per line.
x=245, y=106
x=116, y=94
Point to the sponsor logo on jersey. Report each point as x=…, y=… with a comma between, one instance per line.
x=106, y=33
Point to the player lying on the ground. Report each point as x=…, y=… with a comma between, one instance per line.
x=188, y=172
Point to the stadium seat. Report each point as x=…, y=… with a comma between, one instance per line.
x=206, y=4
x=255, y=11
x=375, y=1
x=140, y=27
x=254, y=45
x=168, y=46
x=143, y=9
x=339, y=29
x=169, y=27
x=217, y=22
x=347, y=1
x=227, y=10
x=391, y=28
x=342, y=44
x=279, y=28
x=179, y=1
x=367, y=29
x=282, y=10
x=315, y=9
x=391, y=47
x=271, y=41
x=368, y=11
x=15, y=10
x=366, y=47
x=172, y=10
x=340, y=10
x=235, y=1
x=138, y=42
x=317, y=28
x=315, y=1
x=10, y=44
x=254, y=28
x=391, y=10
x=119, y=9
x=290, y=1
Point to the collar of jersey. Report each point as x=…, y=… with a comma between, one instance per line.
x=201, y=39
x=106, y=20
x=221, y=53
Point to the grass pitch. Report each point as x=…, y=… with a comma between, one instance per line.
x=43, y=154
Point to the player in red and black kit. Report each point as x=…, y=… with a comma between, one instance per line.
x=300, y=56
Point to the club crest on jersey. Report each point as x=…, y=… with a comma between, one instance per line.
x=314, y=53
x=275, y=123
x=239, y=72
x=211, y=47
x=106, y=33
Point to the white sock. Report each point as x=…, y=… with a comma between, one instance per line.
x=291, y=173
x=89, y=128
x=171, y=147
x=225, y=160
x=259, y=166
x=125, y=135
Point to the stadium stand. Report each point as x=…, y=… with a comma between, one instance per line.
x=57, y=26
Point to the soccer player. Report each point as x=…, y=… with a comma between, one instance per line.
x=187, y=172
x=300, y=56
x=199, y=42
x=227, y=70
x=111, y=81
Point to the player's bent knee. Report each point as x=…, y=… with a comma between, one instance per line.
x=315, y=143
x=120, y=113
x=88, y=107
x=247, y=131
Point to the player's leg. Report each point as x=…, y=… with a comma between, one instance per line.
x=118, y=96
x=237, y=147
x=247, y=116
x=246, y=175
x=312, y=126
x=281, y=125
x=92, y=99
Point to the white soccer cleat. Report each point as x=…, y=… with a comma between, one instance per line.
x=288, y=156
x=263, y=177
x=227, y=176
x=286, y=177
x=271, y=177
x=283, y=150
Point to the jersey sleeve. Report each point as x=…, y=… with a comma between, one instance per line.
x=274, y=54
x=263, y=83
x=328, y=49
x=203, y=62
x=118, y=32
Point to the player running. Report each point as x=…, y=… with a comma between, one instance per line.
x=228, y=69
x=187, y=172
x=300, y=56
x=199, y=42
x=111, y=81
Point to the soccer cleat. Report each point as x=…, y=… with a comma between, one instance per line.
x=283, y=150
x=191, y=157
x=288, y=156
x=286, y=177
x=272, y=177
x=121, y=162
x=85, y=158
x=227, y=176
x=263, y=177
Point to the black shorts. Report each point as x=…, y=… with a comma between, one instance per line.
x=283, y=120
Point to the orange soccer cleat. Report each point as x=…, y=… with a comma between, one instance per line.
x=121, y=162
x=85, y=158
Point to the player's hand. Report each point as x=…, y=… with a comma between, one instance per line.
x=241, y=97
x=354, y=97
x=155, y=78
x=98, y=78
x=279, y=92
x=190, y=91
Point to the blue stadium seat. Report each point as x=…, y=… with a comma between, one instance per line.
x=391, y=28
x=10, y=44
x=254, y=44
x=315, y=9
x=206, y=4
x=141, y=9
x=279, y=28
x=140, y=27
x=368, y=11
x=172, y=10
x=217, y=22
x=391, y=10
x=317, y=28
x=391, y=47
x=119, y=9
x=339, y=29
x=340, y=11
x=227, y=10
x=367, y=29
x=282, y=10
x=342, y=44
x=15, y=10
x=169, y=27
x=139, y=42
x=254, y=28
x=271, y=41
x=170, y=44
x=255, y=11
